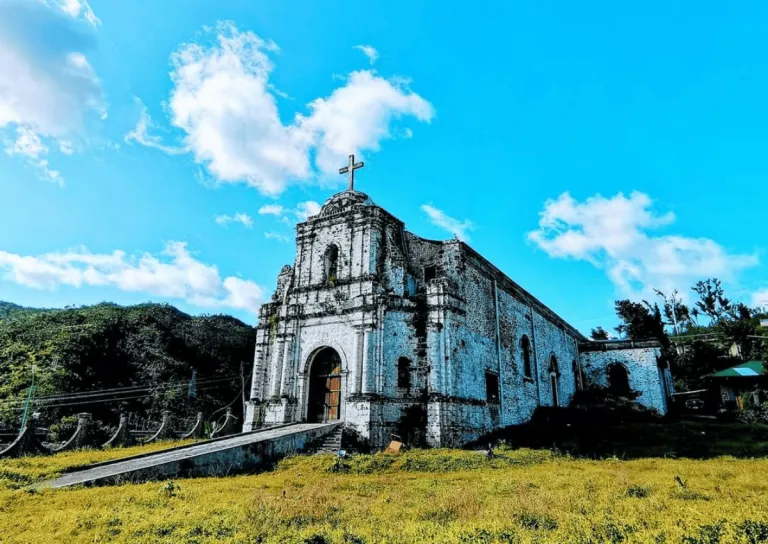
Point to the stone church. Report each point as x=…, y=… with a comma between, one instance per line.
x=392, y=333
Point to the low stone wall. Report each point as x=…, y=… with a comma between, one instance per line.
x=215, y=457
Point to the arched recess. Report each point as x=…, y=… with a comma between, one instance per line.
x=525, y=350
x=577, y=378
x=403, y=373
x=554, y=380
x=618, y=379
x=331, y=263
x=324, y=386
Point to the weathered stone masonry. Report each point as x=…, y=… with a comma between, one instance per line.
x=421, y=338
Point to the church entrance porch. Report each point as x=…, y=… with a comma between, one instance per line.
x=324, y=399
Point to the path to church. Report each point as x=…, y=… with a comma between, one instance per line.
x=229, y=451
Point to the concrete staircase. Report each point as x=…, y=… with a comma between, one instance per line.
x=330, y=443
x=215, y=457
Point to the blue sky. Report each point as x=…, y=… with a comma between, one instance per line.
x=165, y=153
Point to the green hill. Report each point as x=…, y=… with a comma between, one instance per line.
x=9, y=308
x=95, y=358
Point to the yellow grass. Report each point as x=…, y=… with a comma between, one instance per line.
x=421, y=496
x=15, y=473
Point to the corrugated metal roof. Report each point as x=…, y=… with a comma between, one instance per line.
x=749, y=369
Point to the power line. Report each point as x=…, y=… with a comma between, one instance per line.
x=118, y=399
x=124, y=390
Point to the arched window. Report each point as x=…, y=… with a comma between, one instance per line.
x=403, y=373
x=577, y=376
x=553, y=367
x=491, y=387
x=618, y=379
x=331, y=263
x=554, y=376
x=525, y=347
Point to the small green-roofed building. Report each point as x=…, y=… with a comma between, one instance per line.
x=750, y=369
x=738, y=379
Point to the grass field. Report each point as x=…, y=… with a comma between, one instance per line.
x=521, y=495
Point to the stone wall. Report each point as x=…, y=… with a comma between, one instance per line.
x=481, y=318
x=641, y=361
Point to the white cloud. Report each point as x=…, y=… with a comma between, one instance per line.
x=242, y=218
x=78, y=8
x=140, y=134
x=613, y=234
x=304, y=210
x=301, y=212
x=29, y=145
x=358, y=116
x=65, y=146
x=760, y=298
x=272, y=235
x=174, y=275
x=456, y=227
x=47, y=86
x=225, y=106
x=271, y=209
x=369, y=51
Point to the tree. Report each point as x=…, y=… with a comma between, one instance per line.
x=712, y=301
x=698, y=361
x=675, y=311
x=599, y=333
x=152, y=348
x=640, y=321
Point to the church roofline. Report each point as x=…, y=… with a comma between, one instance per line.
x=611, y=345
x=503, y=279
x=498, y=274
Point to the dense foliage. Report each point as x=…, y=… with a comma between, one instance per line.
x=156, y=356
x=711, y=334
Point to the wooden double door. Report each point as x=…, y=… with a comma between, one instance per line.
x=324, y=401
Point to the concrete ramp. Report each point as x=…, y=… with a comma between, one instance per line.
x=217, y=457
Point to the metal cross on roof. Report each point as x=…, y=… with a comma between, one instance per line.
x=350, y=171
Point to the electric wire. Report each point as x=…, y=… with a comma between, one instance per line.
x=118, y=399
x=128, y=389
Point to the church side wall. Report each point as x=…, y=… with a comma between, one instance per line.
x=520, y=394
x=645, y=376
x=472, y=350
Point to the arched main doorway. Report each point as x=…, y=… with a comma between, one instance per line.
x=324, y=401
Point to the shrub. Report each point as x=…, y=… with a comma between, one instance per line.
x=536, y=522
x=638, y=491
x=754, y=413
x=752, y=532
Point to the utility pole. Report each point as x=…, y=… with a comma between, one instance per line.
x=29, y=398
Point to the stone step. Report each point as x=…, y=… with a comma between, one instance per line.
x=331, y=443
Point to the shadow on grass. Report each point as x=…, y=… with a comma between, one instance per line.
x=596, y=434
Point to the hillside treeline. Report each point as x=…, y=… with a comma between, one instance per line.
x=105, y=358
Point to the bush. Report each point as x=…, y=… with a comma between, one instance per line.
x=638, y=491
x=353, y=441
x=754, y=413
x=63, y=430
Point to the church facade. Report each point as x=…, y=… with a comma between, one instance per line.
x=425, y=339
